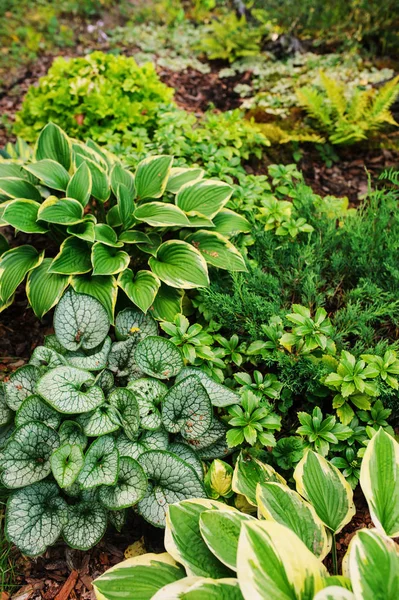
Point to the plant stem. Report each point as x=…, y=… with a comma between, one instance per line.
x=334, y=555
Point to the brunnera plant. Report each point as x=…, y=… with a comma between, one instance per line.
x=151, y=234
x=91, y=427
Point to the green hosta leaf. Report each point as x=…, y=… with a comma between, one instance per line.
x=80, y=184
x=140, y=288
x=250, y=471
x=73, y=258
x=187, y=409
x=152, y=247
x=87, y=523
x=44, y=289
x=126, y=205
x=26, y=457
x=62, y=211
x=71, y=433
x=168, y=303
x=207, y=197
x=203, y=588
x=148, y=393
x=102, y=287
x=127, y=408
x=11, y=169
x=52, y=173
x=158, y=357
x=43, y=356
x=131, y=323
x=14, y=265
x=220, y=395
x=217, y=250
x=90, y=360
x=80, y=321
x=19, y=188
x=170, y=480
x=129, y=489
x=22, y=214
x=100, y=188
x=34, y=409
x=152, y=175
x=107, y=260
x=160, y=214
x=4, y=246
x=121, y=359
x=134, y=237
x=6, y=414
x=121, y=176
x=66, y=463
x=180, y=265
x=35, y=517
x=180, y=176
x=70, y=390
x=85, y=230
x=100, y=421
x=54, y=144
x=105, y=234
x=21, y=385
x=324, y=486
x=101, y=464
x=229, y=223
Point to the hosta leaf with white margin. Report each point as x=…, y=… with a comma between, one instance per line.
x=105, y=234
x=132, y=236
x=161, y=214
x=180, y=176
x=133, y=323
x=180, y=265
x=217, y=250
x=104, y=419
x=148, y=393
x=35, y=517
x=22, y=214
x=206, y=197
x=372, y=563
x=334, y=592
x=189, y=456
x=71, y=433
x=150, y=440
x=201, y=588
x=66, y=463
x=102, y=287
x=51, y=173
x=141, y=288
x=127, y=409
x=53, y=143
x=87, y=523
x=19, y=188
x=35, y=409
x=277, y=502
x=101, y=464
x=158, y=357
x=248, y=472
x=229, y=223
x=379, y=479
x=14, y=265
x=324, y=486
x=100, y=188
x=21, y=385
x=145, y=574
x=84, y=230
x=72, y=259
x=128, y=490
x=168, y=303
x=151, y=176
x=70, y=390
x=44, y=289
x=126, y=205
x=121, y=359
x=274, y=563
x=6, y=414
x=26, y=457
x=46, y=357
x=187, y=409
x=219, y=394
x=80, y=184
x=92, y=360
x=121, y=176
x=170, y=480
x=61, y=211
x=107, y=260
x=220, y=529
x=80, y=321
x=183, y=539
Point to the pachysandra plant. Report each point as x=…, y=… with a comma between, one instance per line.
x=91, y=427
x=152, y=234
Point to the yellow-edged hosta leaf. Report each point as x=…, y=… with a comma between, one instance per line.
x=161, y=214
x=62, y=211
x=22, y=214
x=44, y=289
x=107, y=260
x=19, y=188
x=250, y=471
x=201, y=588
x=168, y=303
x=54, y=144
x=206, y=197
x=80, y=184
x=152, y=175
x=227, y=222
x=100, y=187
x=217, y=250
x=179, y=176
x=141, y=288
x=51, y=173
x=334, y=592
x=180, y=265
x=73, y=258
x=14, y=265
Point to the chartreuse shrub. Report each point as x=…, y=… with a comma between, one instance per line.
x=214, y=550
x=152, y=233
x=91, y=427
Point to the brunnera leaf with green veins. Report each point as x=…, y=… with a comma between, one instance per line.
x=46, y=357
x=187, y=409
x=149, y=440
x=35, y=409
x=21, y=385
x=149, y=393
x=70, y=390
x=128, y=490
x=219, y=394
x=72, y=433
x=104, y=419
x=121, y=359
x=135, y=324
x=66, y=463
x=92, y=360
x=6, y=414
x=126, y=407
x=101, y=464
x=86, y=525
x=189, y=456
x=158, y=357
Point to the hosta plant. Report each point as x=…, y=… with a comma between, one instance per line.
x=152, y=233
x=91, y=427
x=215, y=551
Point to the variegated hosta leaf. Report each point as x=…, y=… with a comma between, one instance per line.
x=187, y=409
x=46, y=357
x=35, y=517
x=324, y=486
x=277, y=502
x=54, y=144
x=101, y=464
x=87, y=522
x=189, y=456
x=379, y=479
x=92, y=360
x=215, y=433
x=117, y=518
x=220, y=529
x=201, y=588
x=80, y=321
x=121, y=359
x=21, y=385
x=145, y=574
x=220, y=395
x=129, y=489
x=126, y=407
x=152, y=175
x=148, y=393
x=6, y=414
x=66, y=463
x=150, y=440
x=372, y=563
x=35, y=409
x=158, y=357
x=104, y=419
x=26, y=457
x=334, y=592
x=105, y=380
x=70, y=390
x=183, y=539
x=71, y=433
x=170, y=480
x=134, y=323
x=180, y=176
x=248, y=472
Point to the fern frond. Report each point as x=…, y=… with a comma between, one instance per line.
x=315, y=104
x=384, y=99
x=335, y=93
x=359, y=104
